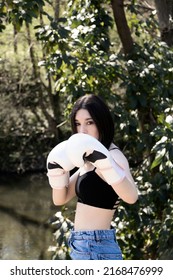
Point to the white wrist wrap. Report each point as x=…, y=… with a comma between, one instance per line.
x=58, y=179
x=114, y=174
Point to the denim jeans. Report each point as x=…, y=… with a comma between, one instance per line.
x=94, y=245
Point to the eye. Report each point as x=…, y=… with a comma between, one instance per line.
x=90, y=122
x=77, y=123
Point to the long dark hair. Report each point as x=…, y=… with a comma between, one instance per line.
x=100, y=114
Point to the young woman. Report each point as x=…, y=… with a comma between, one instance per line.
x=102, y=180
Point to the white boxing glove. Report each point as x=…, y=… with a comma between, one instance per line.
x=83, y=147
x=58, y=166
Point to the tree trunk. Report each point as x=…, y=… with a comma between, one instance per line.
x=165, y=13
x=36, y=75
x=56, y=9
x=31, y=51
x=122, y=26
x=15, y=38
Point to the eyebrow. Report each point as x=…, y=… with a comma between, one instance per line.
x=87, y=119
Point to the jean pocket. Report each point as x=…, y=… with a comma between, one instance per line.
x=79, y=250
x=108, y=256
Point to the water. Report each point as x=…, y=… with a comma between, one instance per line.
x=25, y=209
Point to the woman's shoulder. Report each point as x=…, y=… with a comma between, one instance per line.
x=113, y=147
x=118, y=155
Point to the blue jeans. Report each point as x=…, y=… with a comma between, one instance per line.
x=94, y=245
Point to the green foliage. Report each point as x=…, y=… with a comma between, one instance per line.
x=62, y=226
x=78, y=50
x=139, y=92
x=19, y=11
x=23, y=141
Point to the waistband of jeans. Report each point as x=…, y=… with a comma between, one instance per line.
x=93, y=234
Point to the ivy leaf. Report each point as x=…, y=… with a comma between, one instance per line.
x=158, y=158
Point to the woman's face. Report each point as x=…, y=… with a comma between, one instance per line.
x=85, y=124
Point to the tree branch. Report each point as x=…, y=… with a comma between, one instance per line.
x=122, y=26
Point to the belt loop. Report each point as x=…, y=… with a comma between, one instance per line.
x=97, y=236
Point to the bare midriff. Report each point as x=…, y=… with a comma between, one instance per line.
x=92, y=218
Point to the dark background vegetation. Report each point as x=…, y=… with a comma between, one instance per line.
x=52, y=52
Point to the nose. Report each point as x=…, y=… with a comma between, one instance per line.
x=83, y=129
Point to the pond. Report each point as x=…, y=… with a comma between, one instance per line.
x=26, y=208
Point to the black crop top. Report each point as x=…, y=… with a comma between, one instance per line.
x=92, y=190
